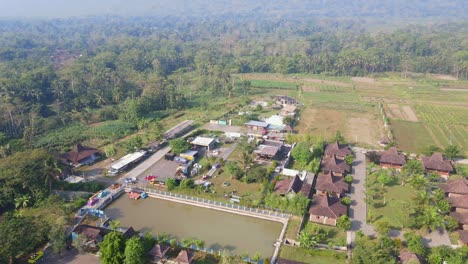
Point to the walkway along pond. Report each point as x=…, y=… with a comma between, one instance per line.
x=239, y=229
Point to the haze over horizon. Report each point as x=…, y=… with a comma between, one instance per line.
x=337, y=8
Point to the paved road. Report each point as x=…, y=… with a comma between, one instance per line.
x=145, y=167
x=358, y=208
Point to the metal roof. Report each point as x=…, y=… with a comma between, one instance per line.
x=127, y=159
x=256, y=123
x=203, y=141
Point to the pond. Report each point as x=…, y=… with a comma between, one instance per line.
x=219, y=230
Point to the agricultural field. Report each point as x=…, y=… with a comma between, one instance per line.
x=312, y=256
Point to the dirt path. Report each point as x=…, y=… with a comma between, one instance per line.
x=410, y=114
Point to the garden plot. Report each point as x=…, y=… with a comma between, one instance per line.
x=404, y=112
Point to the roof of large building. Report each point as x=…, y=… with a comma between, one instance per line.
x=391, y=156
x=257, y=123
x=203, y=141
x=336, y=149
x=159, y=250
x=330, y=183
x=276, y=120
x=463, y=236
x=437, y=162
x=185, y=256
x=459, y=186
x=462, y=218
x=294, y=184
x=459, y=201
x=79, y=153
x=266, y=150
x=327, y=206
x=90, y=232
x=335, y=165
x=130, y=232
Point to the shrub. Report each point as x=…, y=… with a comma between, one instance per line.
x=344, y=223
x=346, y=201
x=349, y=179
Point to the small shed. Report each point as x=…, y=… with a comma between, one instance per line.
x=189, y=154
x=205, y=142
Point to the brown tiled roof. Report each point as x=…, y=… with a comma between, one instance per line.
x=437, y=162
x=130, y=232
x=295, y=185
x=159, y=250
x=463, y=236
x=459, y=201
x=335, y=165
x=330, y=183
x=462, y=218
x=266, y=150
x=327, y=206
x=385, y=140
x=336, y=149
x=459, y=186
x=391, y=156
x=405, y=255
x=80, y=152
x=287, y=261
x=185, y=256
x=90, y=232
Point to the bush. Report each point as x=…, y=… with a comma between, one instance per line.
x=349, y=179
x=233, y=170
x=82, y=186
x=343, y=223
x=171, y=184
x=187, y=184
x=346, y=201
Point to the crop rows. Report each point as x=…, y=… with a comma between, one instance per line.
x=332, y=88
x=443, y=114
x=449, y=134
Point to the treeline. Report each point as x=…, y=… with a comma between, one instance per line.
x=57, y=72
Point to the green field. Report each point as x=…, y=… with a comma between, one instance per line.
x=273, y=84
x=410, y=136
x=312, y=256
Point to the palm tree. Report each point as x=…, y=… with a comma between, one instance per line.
x=51, y=171
x=22, y=201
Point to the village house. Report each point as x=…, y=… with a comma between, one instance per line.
x=406, y=256
x=256, y=128
x=454, y=188
x=81, y=155
x=204, y=142
x=392, y=159
x=462, y=219
x=459, y=203
x=292, y=186
x=286, y=100
x=437, y=164
x=288, y=110
x=463, y=241
x=336, y=166
x=158, y=253
x=327, y=184
x=185, y=257
x=384, y=141
x=268, y=149
x=326, y=210
x=337, y=150
x=93, y=234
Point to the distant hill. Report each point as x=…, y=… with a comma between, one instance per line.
x=407, y=9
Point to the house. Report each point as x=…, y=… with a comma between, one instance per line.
x=130, y=232
x=462, y=219
x=384, y=141
x=158, y=253
x=268, y=149
x=337, y=150
x=81, y=155
x=406, y=256
x=257, y=125
x=185, y=257
x=463, y=237
x=326, y=210
x=292, y=186
x=459, y=203
x=93, y=234
x=455, y=188
x=337, y=166
x=437, y=164
x=392, y=159
x=288, y=110
x=329, y=184
x=286, y=100
x=204, y=142
x=287, y=261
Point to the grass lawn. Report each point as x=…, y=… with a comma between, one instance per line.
x=410, y=136
x=395, y=212
x=312, y=256
x=334, y=234
x=293, y=227
x=454, y=237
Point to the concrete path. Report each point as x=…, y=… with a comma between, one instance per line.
x=358, y=208
x=142, y=169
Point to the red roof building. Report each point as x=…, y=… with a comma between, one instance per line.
x=437, y=164
x=335, y=149
x=455, y=188
x=337, y=166
x=326, y=210
x=81, y=155
x=329, y=184
x=392, y=159
x=463, y=237
x=292, y=185
x=158, y=252
x=185, y=257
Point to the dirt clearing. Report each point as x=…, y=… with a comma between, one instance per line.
x=444, y=77
x=363, y=129
x=363, y=79
x=404, y=112
x=323, y=122
x=410, y=114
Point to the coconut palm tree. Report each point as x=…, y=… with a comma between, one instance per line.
x=51, y=172
x=22, y=201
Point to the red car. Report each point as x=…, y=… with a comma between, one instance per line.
x=150, y=177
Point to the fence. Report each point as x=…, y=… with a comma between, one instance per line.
x=219, y=204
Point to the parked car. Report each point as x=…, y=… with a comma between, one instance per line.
x=115, y=186
x=278, y=169
x=130, y=180
x=93, y=201
x=103, y=194
x=216, y=166
x=34, y=258
x=150, y=177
